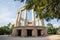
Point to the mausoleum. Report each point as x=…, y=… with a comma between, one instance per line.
x=28, y=28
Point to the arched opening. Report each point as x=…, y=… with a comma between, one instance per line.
x=19, y=32
x=29, y=32
x=38, y=32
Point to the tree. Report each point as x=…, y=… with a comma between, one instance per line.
x=6, y=29
x=11, y=28
x=49, y=25
x=58, y=30
x=51, y=8
x=51, y=29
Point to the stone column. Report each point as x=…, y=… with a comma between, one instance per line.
x=38, y=22
x=34, y=33
x=25, y=18
x=23, y=32
x=44, y=32
x=41, y=23
x=19, y=17
x=14, y=32
x=16, y=20
x=33, y=18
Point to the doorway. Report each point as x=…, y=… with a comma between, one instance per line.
x=29, y=32
x=19, y=32
x=38, y=32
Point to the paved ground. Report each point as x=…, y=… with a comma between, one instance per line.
x=51, y=37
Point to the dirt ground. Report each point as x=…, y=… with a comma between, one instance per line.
x=50, y=37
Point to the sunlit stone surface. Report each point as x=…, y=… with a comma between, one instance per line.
x=28, y=28
x=51, y=37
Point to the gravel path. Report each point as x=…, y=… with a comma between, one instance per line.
x=52, y=37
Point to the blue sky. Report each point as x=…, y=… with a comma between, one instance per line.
x=9, y=9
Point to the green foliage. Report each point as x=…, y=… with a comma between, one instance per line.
x=58, y=30
x=7, y=29
x=49, y=25
x=51, y=29
x=52, y=8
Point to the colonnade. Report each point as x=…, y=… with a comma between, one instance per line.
x=25, y=18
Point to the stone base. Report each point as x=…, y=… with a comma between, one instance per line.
x=31, y=31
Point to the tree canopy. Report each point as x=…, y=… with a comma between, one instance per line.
x=6, y=29
x=51, y=29
x=45, y=9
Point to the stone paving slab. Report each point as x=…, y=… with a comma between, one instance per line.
x=51, y=37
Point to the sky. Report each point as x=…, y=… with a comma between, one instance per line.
x=9, y=9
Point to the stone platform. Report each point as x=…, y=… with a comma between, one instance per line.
x=31, y=31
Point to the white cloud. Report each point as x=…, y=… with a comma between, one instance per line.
x=8, y=9
x=54, y=22
x=56, y=25
x=5, y=16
